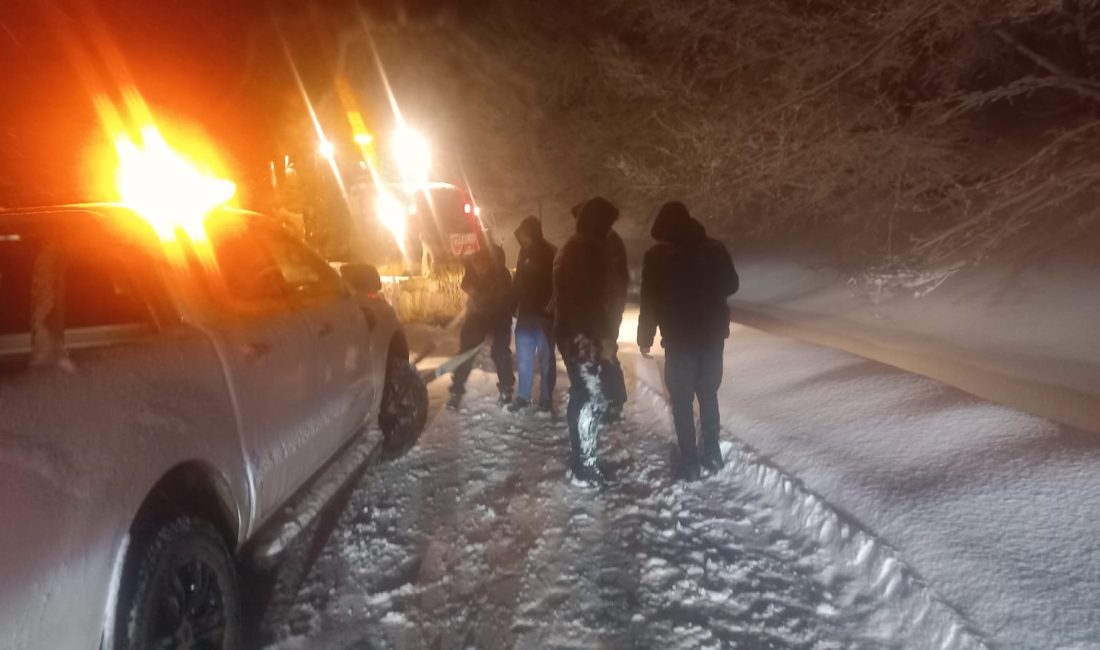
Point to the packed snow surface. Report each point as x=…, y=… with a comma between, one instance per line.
x=995, y=508
x=477, y=539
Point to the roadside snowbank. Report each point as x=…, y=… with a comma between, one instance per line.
x=996, y=509
x=913, y=614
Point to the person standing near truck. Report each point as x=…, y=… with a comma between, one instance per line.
x=489, y=305
x=534, y=287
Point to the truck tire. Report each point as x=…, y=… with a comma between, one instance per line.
x=185, y=594
x=404, y=410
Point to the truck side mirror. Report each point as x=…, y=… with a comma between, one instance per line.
x=363, y=278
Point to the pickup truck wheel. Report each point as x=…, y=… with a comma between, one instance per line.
x=404, y=410
x=185, y=596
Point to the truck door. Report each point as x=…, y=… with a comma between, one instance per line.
x=338, y=356
x=266, y=343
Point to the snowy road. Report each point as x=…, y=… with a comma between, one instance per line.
x=477, y=539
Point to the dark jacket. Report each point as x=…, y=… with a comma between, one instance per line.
x=580, y=286
x=686, y=279
x=488, y=284
x=617, y=269
x=534, y=283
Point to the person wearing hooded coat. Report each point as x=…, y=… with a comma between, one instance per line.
x=582, y=325
x=618, y=283
x=489, y=305
x=534, y=286
x=686, y=279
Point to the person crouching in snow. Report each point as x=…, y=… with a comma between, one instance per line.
x=534, y=286
x=489, y=303
x=581, y=325
x=686, y=279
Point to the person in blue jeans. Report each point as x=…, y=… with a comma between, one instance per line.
x=534, y=287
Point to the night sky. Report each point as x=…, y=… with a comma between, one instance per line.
x=188, y=59
x=216, y=64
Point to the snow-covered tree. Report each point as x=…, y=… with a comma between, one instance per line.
x=925, y=132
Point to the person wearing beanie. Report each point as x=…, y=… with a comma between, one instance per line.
x=534, y=286
x=686, y=279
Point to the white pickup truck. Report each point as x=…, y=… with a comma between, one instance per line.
x=164, y=405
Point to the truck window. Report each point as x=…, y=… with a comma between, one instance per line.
x=247, y=267
x=16, y=261
x=102, y=291
x=307, y=275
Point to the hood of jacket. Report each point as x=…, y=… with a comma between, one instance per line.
x=531, y=228
x=595, y=217
x=675, y=225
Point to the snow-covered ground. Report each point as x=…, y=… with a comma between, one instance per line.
x=477, y=539
x=994, y=505
x=1021, y=329
x=996, y=509
x=863, y=507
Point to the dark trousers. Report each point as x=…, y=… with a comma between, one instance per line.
x=693, y=370
x=587, y=402
x=475, y=329
x=613, y=380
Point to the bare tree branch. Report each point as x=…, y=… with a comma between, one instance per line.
x=1082, y=86
x=859, y=63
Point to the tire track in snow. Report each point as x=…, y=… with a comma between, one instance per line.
x=476, y=539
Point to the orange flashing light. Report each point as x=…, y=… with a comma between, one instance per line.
x=165, y=188
x=172, y=186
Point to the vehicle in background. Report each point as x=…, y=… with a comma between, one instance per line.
x=415, y=231
x=167, y=408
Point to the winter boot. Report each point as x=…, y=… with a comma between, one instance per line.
x=689, y=472
x=712, y=461
x=613, y=414
x=712, y=452
x=546, y=406
x=505, y=397
x=517, y=405
x=589, y=474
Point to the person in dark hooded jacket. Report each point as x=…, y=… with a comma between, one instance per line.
x=534, y=287
x=489, y=305
x=686, y=279
x=617, y=279
x=582, y=325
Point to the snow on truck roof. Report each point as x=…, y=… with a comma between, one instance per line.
x=99, y=208
x=103, y=213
